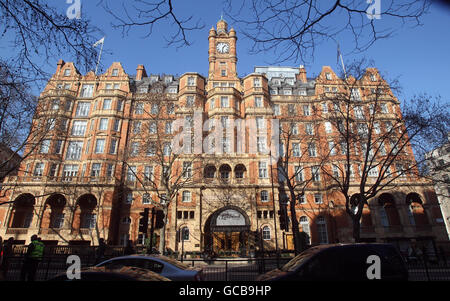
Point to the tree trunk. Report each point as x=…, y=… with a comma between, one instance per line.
x=295, y=230
x=356, y=229
x=162, y=233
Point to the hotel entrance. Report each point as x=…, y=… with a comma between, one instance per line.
x=227, y=232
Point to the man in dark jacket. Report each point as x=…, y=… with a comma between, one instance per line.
x=7, y=254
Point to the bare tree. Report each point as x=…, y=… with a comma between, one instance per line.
x=148, y=14
x=372, y=138
x=38, y=33
x=168, y=171
x=293, y=30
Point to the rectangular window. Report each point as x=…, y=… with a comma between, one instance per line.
x=136, y=127
x=152, y=127
x=79, y=128
x=355, y=95
x=155, y=108
x=186, y=196
x=332, y=148
x=148, y=173
x=170, y=108
x=262, y=169
x=45, y=146
x=103, y=125
x=291, y=109
x=298, y=173
x=113, y=146
x=264, y=196
x=58, y=147
x=115, y=72
x=95, y=170
x=131, y=173
x=384, y=108
x=315, y=173
x=38, y=170
x=120, y=105
x=134, y=149
x=69, y=172
x=187, y=170
x=139, y=109
x=309, y=129
x=276, y=110
x=258, y=102
x=67, y=72
x=191, y=81
x=318, y=198
x=169, y=127
x=224, y=102
x=296, y=150
x=110, y=171
x=87, y=90
x=306, y=110
x=146, y=198
x=312, y=149
x=83, y=109
x=107, y=104
x=328, y=128
x=257, y=82
x=100, y=146
x=190, y=101
x=74, y=150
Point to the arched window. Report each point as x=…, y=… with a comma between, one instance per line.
x=225, y=172
x=239, y=171
x=388, y=213
x=185, y=233
x=304, y=224
x=266, y=233
x=416, y=211
x=210, y=172
x=322, y=230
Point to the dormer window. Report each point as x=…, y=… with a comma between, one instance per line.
x=373, y=77
x=302, y=92
x=328, y=76
x=115, y=72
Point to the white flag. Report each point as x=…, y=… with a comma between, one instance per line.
x=101, y=41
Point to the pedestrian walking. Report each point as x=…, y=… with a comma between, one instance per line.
x=7, y=254
x=129, y=248
x=100, y=251
x=33, y=257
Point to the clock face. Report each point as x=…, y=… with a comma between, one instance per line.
x=223, y=47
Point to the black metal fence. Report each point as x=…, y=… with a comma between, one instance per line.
x=218, y=269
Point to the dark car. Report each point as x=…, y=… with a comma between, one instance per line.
x=119, y=274
x=341, y=262
x=162, y=265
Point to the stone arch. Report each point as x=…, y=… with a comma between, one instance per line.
x=416, y=212
x=85, y=211
x=240, y=171
x=23, y=211
x=388, y=205
x=53, y=212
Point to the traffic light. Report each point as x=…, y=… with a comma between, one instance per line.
x=159, y=223
x=143, y=221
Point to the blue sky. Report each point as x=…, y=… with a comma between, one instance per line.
x=419, y=56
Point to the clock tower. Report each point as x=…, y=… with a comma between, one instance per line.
x=222, y=53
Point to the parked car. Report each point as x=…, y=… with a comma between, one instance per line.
x=341, y=262
x=118, y=274
x=162, y=265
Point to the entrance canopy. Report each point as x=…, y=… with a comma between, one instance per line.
x=230, y=220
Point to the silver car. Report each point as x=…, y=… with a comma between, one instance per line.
x=165, y=266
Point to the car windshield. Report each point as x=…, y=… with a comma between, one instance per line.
x=297, y=261
x=174, y=262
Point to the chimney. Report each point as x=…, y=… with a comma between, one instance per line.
x=302, y=75
x=60, y=64
x=140, y=72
